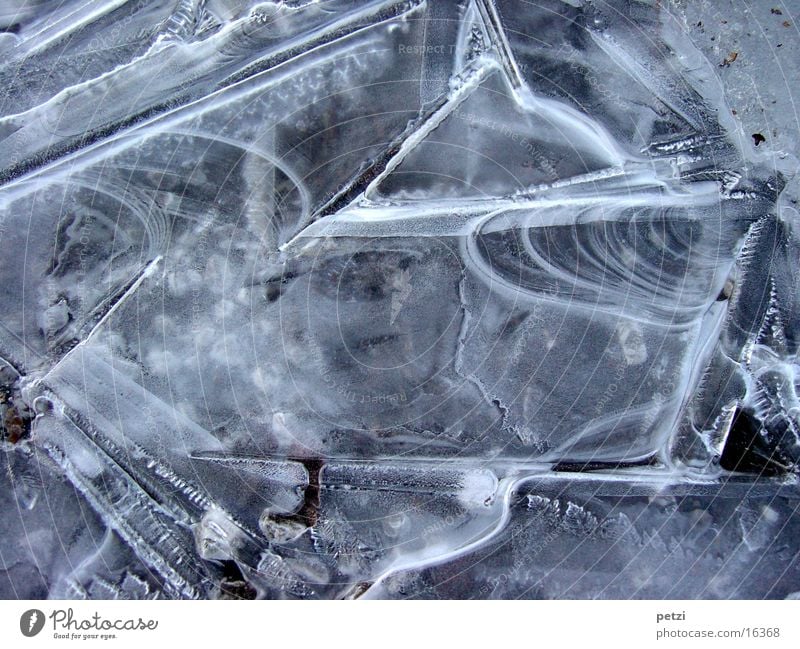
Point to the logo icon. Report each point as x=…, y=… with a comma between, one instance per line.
x=31, y=622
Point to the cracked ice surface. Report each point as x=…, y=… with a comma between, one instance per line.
x=388, y=299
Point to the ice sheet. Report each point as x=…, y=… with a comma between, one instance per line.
x=389, y=299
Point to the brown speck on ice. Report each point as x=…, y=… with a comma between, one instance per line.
x=729, y=59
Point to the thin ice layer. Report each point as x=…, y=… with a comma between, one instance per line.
x=313, y=302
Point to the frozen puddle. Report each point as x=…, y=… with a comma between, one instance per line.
x=388, y=299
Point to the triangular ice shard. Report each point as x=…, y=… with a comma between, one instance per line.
x=499, y=141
